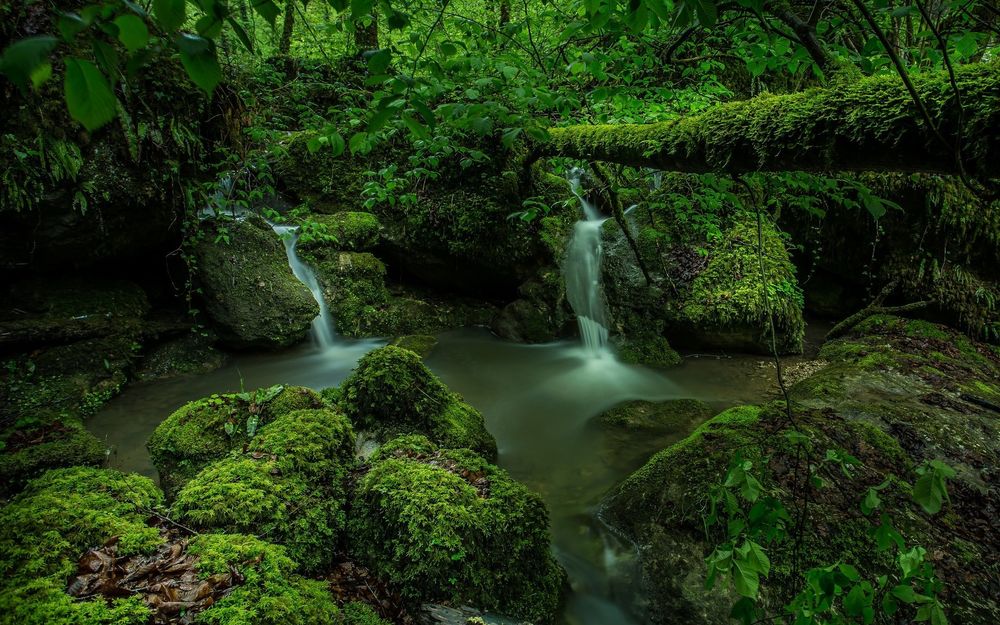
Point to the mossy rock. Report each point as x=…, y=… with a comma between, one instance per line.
x=196, y=434
x=445, y=525
x=27, y=452
x=288, y=486
x=541, y=314
x=647, y=350
x=350, y=231
x=421, y=344
x=185, y=355
x=895, y=393
x=670, y=415
x=249, y=290
x=392, y=392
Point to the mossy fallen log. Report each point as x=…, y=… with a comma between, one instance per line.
x=869, y=124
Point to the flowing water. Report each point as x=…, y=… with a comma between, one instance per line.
x=323, y=333
x=582, y=268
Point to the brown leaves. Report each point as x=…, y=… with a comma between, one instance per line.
x=167, y=580
x=353, y=582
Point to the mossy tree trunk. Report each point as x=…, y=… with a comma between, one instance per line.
x=868, y=124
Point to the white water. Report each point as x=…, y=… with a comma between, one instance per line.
x=583, y=274
x=323, y=332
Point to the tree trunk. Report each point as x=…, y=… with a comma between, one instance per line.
x=286, y=32
x=504, y=13
x=366, y=35
x=868, y=124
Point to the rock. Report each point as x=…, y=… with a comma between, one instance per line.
x=445, y=525
x=186, y=355
x=670, y=415
x=49, y=532
x=205, y=430
x=349, y=231
x=540, y=315
x=289, y=485
x=421, y=344
x=895, y=394
x=249, y=290
x=647, y=350
x=392, y=392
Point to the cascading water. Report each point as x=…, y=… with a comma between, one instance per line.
x=322, y=326
x=583, y=273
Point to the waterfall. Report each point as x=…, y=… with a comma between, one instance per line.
x=322, y=326
x=583, y=273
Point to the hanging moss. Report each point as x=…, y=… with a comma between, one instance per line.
x=196, y=433
x=392, y=392
x=449, y=526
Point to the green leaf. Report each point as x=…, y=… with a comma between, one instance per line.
x=378, y=61
x=200, y=62
x=510, y=137
x=241, y=33
x=448, y=48
x=132, y=31
x=23, y=59
x=88, y=96
x=871, y=502
x=268, y=10
x=336, y=143
x=707, y=12
x=359, y=142
x=70, y=25
x=169, y=13
x=745, y=580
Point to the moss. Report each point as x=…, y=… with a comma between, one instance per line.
x=650, y=351
x=44, y=602
x=392, y=392
x=28, y=452
x=57, y=517
x=270, y=592
x=422, y=344
x=288, y=486
x=186, y=355
x=668, y=415
x=449, y=526
x=195, y=434
x=249, y=290
x=357, y=613
x=345, y=231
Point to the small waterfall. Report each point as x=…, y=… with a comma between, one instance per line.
x=322, y=326
x=583, y=273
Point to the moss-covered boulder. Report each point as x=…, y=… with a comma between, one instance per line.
x=392, y=392
x=707, y=290
x=350, y=231
x=205, y=430
x=895, y=394
x=288, y=486
x=445, y=525
x=650, y=350
x=420, y=344
x=249, y=290
x=190, y=354
x=540, y=314
x=669, y=415
x=48, y=531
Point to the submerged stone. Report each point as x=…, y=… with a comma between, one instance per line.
x=670, y=415
x=207, y=429
x=392, y=392
x=421, y=344
x=445, y=525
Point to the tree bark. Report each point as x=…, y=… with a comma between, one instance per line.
x=868, y=124
x=285, y=45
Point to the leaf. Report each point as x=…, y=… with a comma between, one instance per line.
x=169, y=13
x=358, y=142
x=70, y=25
x=378, y=61
x=23, y=59
x=336, y=143
x=871, y=502
x=88, y=96
x=745, y=580
x=268, y=10
x=510, y=137
x=200, y=62
x=707, y=12
x=132, y=31
x=241, y=33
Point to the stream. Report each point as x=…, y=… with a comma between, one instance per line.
x=539, y=402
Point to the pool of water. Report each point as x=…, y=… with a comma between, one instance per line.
x=539, y=402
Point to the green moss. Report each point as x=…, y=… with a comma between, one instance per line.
x=44, y=601
x=668, y=415
x=422, y=344
x=651, y=351
x=449, y=526
x=196, y=433
x=270, y=592
x=45, y=447
x=345, y=231
x=356, y=613
x=47, y=527
x=249, y=290
x=288, y=486
x=392, y=392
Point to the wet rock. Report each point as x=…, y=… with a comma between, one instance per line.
x=670, y=415
x=541, y=314
x=422, y=344
x=445, y=525
x=249, y=290
x=186, y=355
x=392, y=392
